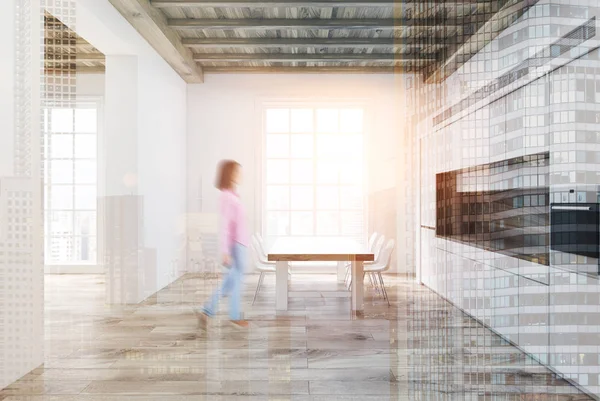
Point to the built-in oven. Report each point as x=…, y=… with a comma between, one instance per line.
x=575, y=228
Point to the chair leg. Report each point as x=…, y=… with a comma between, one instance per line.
x=383, y=288
x=380, y=279
x=374, y=282
x=260, y=279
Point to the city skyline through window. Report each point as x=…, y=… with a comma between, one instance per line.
x=70, y=147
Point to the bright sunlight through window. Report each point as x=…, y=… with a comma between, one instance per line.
x=314, y=168
x=70, y=137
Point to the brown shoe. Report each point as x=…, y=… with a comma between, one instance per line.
x=202, y=319
x=243, y=324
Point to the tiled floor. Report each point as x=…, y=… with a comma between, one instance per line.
x=420, y=348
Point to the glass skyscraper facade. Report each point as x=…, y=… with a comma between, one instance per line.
x=509, y=179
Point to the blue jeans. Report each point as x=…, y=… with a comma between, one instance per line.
x=232, y=285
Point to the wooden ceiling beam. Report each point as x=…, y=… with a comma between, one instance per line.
x=310, y=70
x=318, y=58
x=151, y=23
x=302, y=3
x=316, y=23
x=90, y=70
x=75, y=57
x=83, y=42
x=66, y=41
x=212, y=43
x=80, y=69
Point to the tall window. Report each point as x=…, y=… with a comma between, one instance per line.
x=314, y=172
x=70, y=138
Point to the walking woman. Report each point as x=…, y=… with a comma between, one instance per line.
x=233, y=244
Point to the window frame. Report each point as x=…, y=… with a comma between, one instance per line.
x=77, y=266
x=261, y=210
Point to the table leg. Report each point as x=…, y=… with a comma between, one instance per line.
x=357, y=285
x=341, y=271
x=281, y=285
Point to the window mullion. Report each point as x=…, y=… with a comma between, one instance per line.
x=315, y=173
x=74, y=183
x=339, y=212
x=289, y=135
x=339, y=186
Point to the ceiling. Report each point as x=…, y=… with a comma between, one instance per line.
x=365, y=36
x=65, y=51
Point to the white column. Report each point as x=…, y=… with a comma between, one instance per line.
x=120, y=137
x=120, y=207
x=21, y=278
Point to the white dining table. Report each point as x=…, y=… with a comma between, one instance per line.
x=317, y=249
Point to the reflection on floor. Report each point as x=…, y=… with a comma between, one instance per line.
x=421, y=348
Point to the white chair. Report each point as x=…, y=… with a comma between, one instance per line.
x=382, y=265
x=372, y=239
x=260, y=241
x=263, y=254
x=260, y=266
x=257, y=241
x=261, y=262
x=371, y=243
x=375, y=247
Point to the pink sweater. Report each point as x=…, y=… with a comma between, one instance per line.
x=233, y=221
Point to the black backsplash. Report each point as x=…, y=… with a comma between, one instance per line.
x=501, y=207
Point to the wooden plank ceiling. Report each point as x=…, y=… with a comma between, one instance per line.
x=311, y=35
x=64, y=50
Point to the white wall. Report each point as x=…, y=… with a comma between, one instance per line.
x=224, y=118
x=162, y=166
x=164, y=119
x=148, y=142
x=91, y=84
